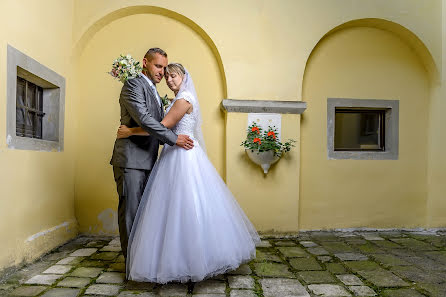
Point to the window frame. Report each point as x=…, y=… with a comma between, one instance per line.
x=390, y=123
x=53, y=97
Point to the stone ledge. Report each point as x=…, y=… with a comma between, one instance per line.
x=263, y=106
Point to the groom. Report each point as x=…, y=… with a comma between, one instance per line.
x=134, y=157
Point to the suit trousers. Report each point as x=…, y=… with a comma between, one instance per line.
x=130, y=184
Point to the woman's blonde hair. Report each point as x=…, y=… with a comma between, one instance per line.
x=175, y=68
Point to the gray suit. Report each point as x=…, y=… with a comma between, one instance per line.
x=134, y=157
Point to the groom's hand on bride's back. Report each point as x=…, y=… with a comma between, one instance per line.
x=185, y=142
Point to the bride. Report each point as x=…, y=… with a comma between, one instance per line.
x=188, y=226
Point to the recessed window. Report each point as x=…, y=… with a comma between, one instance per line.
x=36, y=104
x=362, y=129
x=359, y=130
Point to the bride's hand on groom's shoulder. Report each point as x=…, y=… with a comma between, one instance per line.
x=123, y=132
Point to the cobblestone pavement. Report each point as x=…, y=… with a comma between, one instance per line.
x=391, y=263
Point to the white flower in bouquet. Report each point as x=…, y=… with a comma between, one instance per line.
x=125, y=67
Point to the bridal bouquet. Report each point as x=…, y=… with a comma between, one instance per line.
x=257, y=139
x=125, y=67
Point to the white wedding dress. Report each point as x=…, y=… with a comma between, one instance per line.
x=189, y=226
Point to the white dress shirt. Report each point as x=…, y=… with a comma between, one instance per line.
x=152, y=85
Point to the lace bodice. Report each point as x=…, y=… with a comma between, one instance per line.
x=187, y=124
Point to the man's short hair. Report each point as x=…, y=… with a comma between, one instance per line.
x=154, y=50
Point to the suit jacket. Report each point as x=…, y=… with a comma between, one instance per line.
x=140, y=108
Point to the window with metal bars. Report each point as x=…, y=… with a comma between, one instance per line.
x=29, y=109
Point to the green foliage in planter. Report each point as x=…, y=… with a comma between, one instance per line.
x=257, y=139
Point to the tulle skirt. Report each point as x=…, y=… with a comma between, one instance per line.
x=189, y=227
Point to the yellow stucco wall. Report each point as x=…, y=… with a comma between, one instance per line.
x=252, y=50
x=36, y=188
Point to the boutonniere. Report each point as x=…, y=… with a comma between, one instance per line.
x=165, y=101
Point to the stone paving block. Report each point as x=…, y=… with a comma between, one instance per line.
x=106, y=256
x=336, y=268
x=349, y=279
x=241, y=282
x=387, y=244
x=120, y=267
x=210, y=295
x=266, y=256
x=279, y=287
x=86, y=272
x=362, y=291
x=355, y=241
x=347, y=235
x=308, y=244
x=319, y=251
x=434, y=289
x=418, y=275
x=328, y=290
x=58, y=269
x=383, y=278
x=264, y=244
x=94, y=263
x=241, y=293
x=317, y=277
x=243, y=269
x=293, y=252
x=305, y=264
x=210, y=286
x=115, y=241
x=137, y=294
x=28, y=291
x=111, y=278
x=45, y=279
x=389, y=260
x=110, y=248
x=106, y=290
x=362, y=265
x=337, y=247
x=369, y=248
x=371, y=236
x=86, y=252
x=414, y=244
x=284, y=243
x=425, y=263
x=74, y=282
x=351, y=257
x=120, y=259
x=61, y=292
x=401, y=293
x=173, y=290
x=439, y=256
x=324, y=259
x=70, y=260
x=27, y=272
x=324, y=236
x=272, y=269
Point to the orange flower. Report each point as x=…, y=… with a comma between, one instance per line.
x=257, y=140
x=271, y=133
x=255, y=129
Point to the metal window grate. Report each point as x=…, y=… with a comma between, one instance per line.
x=29, y=109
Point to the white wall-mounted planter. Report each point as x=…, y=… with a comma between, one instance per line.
x=264, y=159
